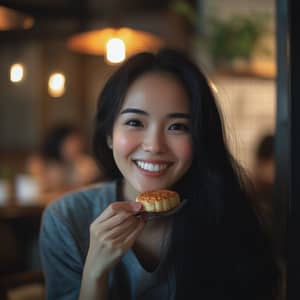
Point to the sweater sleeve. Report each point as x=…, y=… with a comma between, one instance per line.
x=60, y=256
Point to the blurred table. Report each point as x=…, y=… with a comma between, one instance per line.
x=17, y=211
x=19, y=232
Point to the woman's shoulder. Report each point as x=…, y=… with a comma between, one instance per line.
x=84, y=204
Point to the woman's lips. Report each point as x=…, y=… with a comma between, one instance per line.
x=152, y=168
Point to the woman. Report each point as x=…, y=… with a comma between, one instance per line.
x=158, y=126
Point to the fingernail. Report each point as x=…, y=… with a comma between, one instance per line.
x=137, y=206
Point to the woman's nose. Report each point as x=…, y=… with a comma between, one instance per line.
x=154, y=142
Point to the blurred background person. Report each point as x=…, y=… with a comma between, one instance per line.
x=63, y=162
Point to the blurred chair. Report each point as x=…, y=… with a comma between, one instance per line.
x=9, y=255
x=18, y=280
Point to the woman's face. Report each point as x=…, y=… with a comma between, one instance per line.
x=151, y=141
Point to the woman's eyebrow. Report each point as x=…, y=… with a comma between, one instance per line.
x=142, y=112
x=134, y=110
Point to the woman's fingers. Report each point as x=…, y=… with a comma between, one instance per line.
x=113, y=221
x=109, y=235
x=128, y=237
x=117, y=219
x=132, y=236
x=115, y=207
x=113, y=216
x=115, y=228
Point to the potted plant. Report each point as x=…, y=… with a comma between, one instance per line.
x=230, y=43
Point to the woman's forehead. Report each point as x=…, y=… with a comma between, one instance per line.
x=156, y=89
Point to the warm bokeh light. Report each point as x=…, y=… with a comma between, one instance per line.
x=16, y=73
x=115, y=51
x=11, y=19
x=56, y=85
x=95, y=42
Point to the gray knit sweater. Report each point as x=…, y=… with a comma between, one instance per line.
x=64, y=241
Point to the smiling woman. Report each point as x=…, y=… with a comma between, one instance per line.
x=158, y=127
x=152, y=145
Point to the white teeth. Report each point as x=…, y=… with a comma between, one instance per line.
x=151, y=167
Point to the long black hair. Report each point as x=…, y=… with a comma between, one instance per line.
x=217, y=248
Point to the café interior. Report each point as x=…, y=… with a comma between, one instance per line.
x=55, y=57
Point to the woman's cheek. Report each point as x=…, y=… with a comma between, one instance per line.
x=184, y=150
x=124, y=143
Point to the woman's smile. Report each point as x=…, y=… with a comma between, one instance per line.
x=152, y=168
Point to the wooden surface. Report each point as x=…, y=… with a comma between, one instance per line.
x=10, y=212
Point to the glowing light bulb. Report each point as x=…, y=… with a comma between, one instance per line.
x=115, y=50
x=56, y=85
x=16, y=73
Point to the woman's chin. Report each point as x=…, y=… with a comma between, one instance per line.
x=150, y=187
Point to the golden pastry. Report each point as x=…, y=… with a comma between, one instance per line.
x=159, y=200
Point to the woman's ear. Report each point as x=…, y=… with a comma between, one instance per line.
x=109, y=142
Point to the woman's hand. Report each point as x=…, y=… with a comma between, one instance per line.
x=111, y=235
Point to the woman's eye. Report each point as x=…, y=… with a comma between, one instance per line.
x=179, y=127
x=134, y=123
